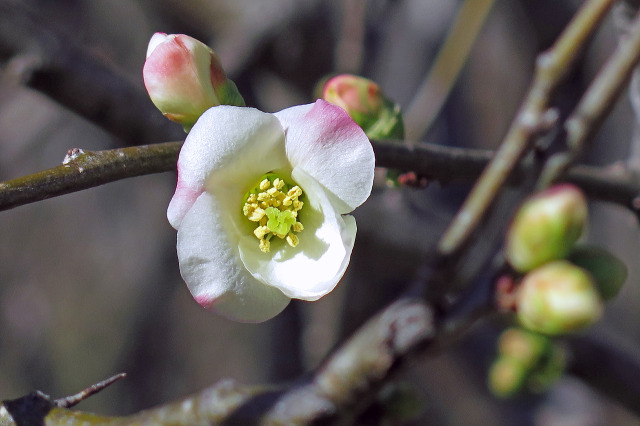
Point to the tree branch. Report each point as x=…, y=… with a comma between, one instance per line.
x=48, y=59
x=596, y=103
x=533, y=117
x=83, y=170
x=436, y=87
x=339, y=390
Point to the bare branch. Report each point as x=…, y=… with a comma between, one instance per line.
x=532, y=118
x=596, y=103
x=82, y=170
x=436, y=87
x=48, y=59
x=339, y=390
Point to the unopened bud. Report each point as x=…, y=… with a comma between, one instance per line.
x=507, y=376
x=546, y=227
x=523, y=345
x=557, y=298
x=608, y=272
x=365, y=103
x=184, y=78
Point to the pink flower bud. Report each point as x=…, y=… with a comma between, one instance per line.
x=558, y=298
x=365, y=103
x=184, y=78
x=546, y=227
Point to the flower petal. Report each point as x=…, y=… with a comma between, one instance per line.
x=333, y=149
x=213, y=271
x=313, y=268
x=227, y=146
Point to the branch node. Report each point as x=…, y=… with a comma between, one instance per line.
x=72, y=154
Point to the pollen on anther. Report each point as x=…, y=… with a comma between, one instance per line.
x=295, y=192
x=256, y=214
x=261, y=231
x=273, y=196
x=292, y=239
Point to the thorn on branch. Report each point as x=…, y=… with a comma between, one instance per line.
x=31, y=409
x=70, y=401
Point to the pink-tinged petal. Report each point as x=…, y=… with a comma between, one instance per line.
x=314, y=267
x=213, y=271
x=181, y=202
x=233, y=147
x=156, y=40
x=327, y=144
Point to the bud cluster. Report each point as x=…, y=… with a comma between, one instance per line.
x=526, y=361
x=564, y=284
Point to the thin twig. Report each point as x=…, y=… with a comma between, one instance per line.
x=435, y=162
x=71, y=400
x=532, y=118
x=83, y=170
x=597, y=101
x=435, y=89
x=349, y=49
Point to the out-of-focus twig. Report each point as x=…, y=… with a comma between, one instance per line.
x=533, y=117
x=48, y=59
x=597, y=101
x=349, y=49
x=435, y=89
x=337, y=392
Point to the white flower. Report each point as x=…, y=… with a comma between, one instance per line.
x=235, y=260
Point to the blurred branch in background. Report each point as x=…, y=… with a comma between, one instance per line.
x=339, y=390
x=533, y=118
x=434, y=91
x=49, y=60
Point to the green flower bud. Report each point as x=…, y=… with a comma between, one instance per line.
x=507, y=377
x=557, y=298
x=548, y=370
x=523, y=345
x=608, y=272
x=546, y=227
x=365, y=103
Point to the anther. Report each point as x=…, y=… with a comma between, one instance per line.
x=292, y=239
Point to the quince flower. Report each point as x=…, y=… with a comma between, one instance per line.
x=261, y=206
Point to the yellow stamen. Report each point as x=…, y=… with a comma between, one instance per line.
x=273, y=204
x=292, y=239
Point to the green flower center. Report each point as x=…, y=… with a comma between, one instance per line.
x=273, y=206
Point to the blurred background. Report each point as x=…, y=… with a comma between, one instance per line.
x=89, y=282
